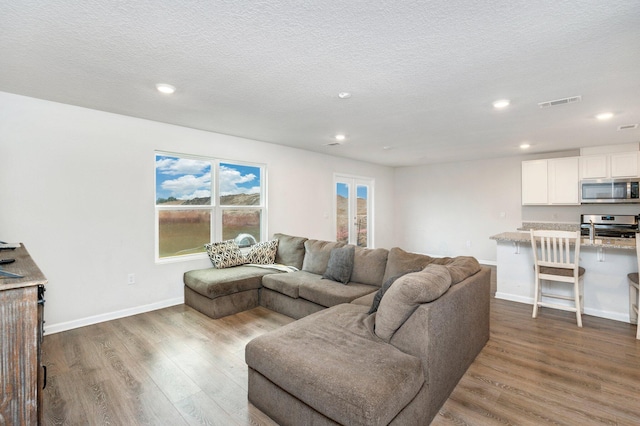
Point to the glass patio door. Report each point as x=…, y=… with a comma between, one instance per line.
x=353, y=210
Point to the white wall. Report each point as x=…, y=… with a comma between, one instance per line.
x=77, y=188
x=441, y=207
x=452, y=209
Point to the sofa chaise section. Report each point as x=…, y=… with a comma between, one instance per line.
x=221, y=292
x=365, y=382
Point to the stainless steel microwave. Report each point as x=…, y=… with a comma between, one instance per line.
x=610, y=191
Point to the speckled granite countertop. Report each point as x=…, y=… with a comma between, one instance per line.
x=551, y=226
x=616, y=243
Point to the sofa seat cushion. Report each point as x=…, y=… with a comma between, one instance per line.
x=212, y=282
x=330, y=293
x=289, y=283
x=366, y=300
x=314, y=288
x=342, y=369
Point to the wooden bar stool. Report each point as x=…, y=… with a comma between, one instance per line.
x=554, y=260
x=634, y=291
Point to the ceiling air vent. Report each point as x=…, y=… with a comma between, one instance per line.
x=564, y=101
x=628, y=126
x=336, y=143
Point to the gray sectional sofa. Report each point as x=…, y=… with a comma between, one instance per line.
x=344, y=362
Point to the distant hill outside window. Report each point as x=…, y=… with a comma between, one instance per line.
x=199, y=200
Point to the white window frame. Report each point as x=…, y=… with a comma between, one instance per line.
x=215, y=207
x=354, y=181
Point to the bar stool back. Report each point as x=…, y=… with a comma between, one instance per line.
x=556, y=260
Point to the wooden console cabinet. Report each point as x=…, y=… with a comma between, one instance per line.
x=22, y=377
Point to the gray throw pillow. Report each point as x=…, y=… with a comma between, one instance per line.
x=404, y=296
x=340, y=264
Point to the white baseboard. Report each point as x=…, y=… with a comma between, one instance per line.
x=616, y=316
x=587, y=311
x=514, y=298
x=56, y=328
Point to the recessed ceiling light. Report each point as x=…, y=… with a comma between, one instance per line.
x=344, y=95
x=604, y=116
x=501, y=103
x=167, y=89
x=340, y=137
x=525, y=146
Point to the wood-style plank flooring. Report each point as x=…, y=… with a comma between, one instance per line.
x=176, y=366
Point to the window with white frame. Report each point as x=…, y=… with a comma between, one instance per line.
x=354, y=210
x=199, y=200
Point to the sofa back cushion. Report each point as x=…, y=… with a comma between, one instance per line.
x=369, y=266
x=460, y=267
x=290, y=250
x=401, y=261
x=406, y=294
x=317, y=253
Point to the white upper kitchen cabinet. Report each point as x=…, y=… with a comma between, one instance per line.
x=624, y=164
x=534, y=182
x=604, y=166
x=564, y=180
x=594, y=167
x=551, y=182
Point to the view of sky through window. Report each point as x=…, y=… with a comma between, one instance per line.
x=187, y=179
x=237, y=179
x=342, y=190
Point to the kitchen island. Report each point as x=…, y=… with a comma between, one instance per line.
x=607, y=262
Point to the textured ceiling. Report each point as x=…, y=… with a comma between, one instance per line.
x=423, y=74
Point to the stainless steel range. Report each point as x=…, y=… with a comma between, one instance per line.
x=609, y=226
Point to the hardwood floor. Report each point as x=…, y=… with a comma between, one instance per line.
x=176, y=366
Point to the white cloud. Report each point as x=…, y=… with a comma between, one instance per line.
x=181, y=166
x=231, y=178
x=189, y=186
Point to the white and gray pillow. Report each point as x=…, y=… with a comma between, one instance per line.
x=225, y=254
x=263, y=253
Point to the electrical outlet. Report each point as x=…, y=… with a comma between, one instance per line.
x=131, y=279
x=468, y=243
